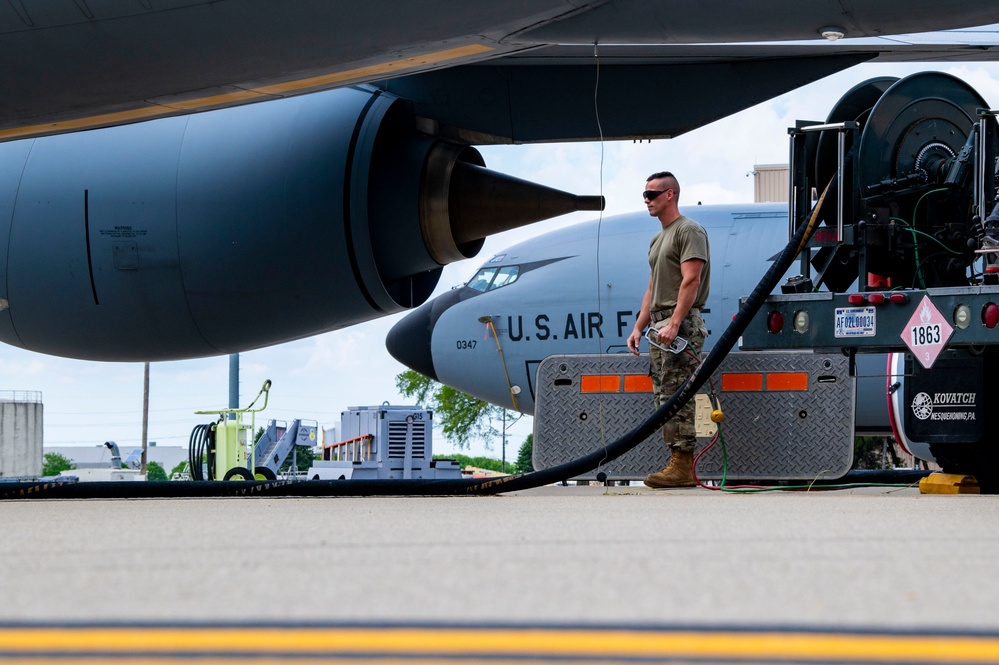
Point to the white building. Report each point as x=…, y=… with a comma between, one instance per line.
x=97, y=457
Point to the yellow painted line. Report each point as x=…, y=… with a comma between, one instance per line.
x=392, y=67
x=83, y=123
x=168, y=660
x=211, y=101
x=226, y=644
x=322, y=660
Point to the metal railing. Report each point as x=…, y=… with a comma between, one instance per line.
x=358, y=449
x=30, y=396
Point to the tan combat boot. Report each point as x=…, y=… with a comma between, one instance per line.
x=678, y=473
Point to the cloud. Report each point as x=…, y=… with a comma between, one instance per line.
x=24, y=368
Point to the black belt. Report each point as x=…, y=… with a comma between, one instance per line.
x=663, y=314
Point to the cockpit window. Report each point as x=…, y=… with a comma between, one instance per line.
x=488, y=279
x=506, y=275
x=482, y=279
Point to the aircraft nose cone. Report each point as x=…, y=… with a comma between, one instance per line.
x=409, y=340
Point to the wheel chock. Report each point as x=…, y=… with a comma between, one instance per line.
x=948, y=483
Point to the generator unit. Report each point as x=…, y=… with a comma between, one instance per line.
x=383, y=442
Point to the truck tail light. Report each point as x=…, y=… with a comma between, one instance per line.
x=775, y=322
x=990, y=315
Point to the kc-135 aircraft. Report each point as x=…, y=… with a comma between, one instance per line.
x=189, y=220
x=577, y=290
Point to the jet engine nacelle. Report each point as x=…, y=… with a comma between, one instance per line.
x=236, y=229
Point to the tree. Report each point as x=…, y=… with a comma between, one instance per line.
x=488, y=463
x=874, y=452
x=53, y=464
x=154, y=471
x=525, y=461
x=180, y=468
x=460, y=416
x=304, y=456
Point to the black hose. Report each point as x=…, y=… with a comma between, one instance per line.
x=201, y=445
x=877, y=477
x=192, y=454
x=576, y=467
x=210, y=453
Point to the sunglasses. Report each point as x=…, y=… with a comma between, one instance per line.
x=651, y=194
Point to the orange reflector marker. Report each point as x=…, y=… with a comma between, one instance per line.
x=787, y=381
x=742, y=381
x=637, y=383
x=600, y=383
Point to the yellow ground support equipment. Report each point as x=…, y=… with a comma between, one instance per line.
x=229, y=449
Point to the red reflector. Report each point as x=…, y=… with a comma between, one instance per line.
x=742, y=381
x=990, y=315
x=637, y=383
x=600, y=383
x=856, y=299
x=876, y=298
x=878, y=281
x=775, y=322
x=787, y=381
x=898, y=298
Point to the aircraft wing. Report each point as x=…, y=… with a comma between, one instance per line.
x=161, y=240
x=94, y=63
x=584, y=92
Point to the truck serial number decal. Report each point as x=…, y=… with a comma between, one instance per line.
x=855, y=322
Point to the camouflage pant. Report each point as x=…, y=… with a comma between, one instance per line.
x=668, y=372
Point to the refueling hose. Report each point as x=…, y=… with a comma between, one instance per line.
x=201, y=445
x=455, y=487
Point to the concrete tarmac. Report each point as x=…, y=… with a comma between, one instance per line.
x=853, y=559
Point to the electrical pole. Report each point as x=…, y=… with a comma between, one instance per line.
x=145, y=414
x=233, y=383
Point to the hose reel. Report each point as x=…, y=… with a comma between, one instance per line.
x=910, y=207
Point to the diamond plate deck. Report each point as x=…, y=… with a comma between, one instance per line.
x=769, y=434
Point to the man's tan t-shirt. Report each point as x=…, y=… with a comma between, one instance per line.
x=683, y=239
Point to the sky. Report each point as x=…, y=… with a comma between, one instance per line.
x=87, y=403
